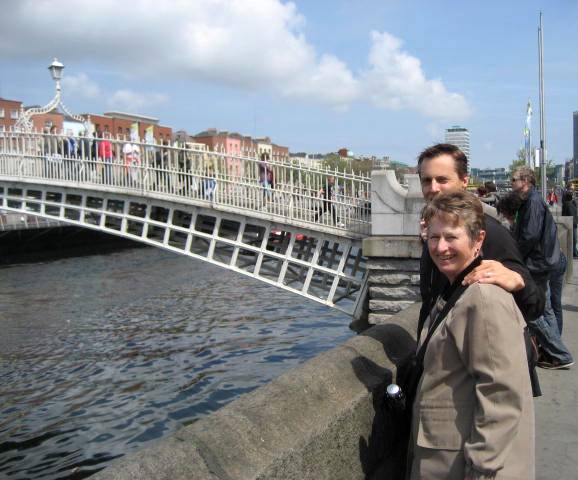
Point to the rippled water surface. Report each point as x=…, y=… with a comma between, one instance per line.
x=103, y=353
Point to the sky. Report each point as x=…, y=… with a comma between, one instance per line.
x=377, y=77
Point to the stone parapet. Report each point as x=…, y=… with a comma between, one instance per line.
x=322, y=420
x=395, y=210
x=393, y=278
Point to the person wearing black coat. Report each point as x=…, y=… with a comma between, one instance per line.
x=537, y=236
x=569, y=210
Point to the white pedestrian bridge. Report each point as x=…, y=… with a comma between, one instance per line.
x=296, y=227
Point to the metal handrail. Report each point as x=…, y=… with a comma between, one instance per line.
x=276, y=187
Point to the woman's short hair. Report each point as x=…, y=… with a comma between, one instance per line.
x=458, y=208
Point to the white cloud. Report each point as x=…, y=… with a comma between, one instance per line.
x=396, y=80
x=130, y=101
x=248, y=44
x=81, y=85
x=125, y=99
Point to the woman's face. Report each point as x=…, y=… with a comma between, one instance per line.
x=450, y=247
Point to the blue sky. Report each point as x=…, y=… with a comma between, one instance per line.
x=379, y=77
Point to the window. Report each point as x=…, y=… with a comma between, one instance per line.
x=2, y=128
x=1, y=113
x=14, y=113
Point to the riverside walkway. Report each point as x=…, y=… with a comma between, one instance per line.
x=556, y=419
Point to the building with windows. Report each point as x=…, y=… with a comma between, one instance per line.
x=9, y=113
x=498, y=176
x=118, y=125
x=240, y=145
x=460, y=137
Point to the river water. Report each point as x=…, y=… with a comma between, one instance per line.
x=101, y=354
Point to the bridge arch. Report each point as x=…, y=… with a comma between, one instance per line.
x=320, y=266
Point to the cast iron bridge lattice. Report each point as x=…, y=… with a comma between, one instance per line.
x=295, y=227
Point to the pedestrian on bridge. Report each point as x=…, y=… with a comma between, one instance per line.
x=105, y=156
x=327, y=194
x=266, y=178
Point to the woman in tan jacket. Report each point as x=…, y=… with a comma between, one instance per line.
x=473, y=414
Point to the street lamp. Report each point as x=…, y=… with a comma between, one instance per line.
x=56, y=71
x=24, y=122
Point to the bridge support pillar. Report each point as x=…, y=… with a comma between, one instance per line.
x=393, y=251
x=393, y=280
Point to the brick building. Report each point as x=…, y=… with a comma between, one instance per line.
x=118, y=125
x=243, y=145
x=9, y=113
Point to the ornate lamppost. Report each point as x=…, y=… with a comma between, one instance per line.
x=24, y=122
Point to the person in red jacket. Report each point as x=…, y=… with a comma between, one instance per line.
x=105, y=155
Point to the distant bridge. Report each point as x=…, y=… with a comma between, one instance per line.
x=295, y=227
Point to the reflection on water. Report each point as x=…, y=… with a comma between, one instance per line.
x=101, y=354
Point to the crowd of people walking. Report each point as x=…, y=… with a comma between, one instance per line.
x=258, y=183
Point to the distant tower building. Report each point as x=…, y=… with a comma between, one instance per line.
x=460, y=137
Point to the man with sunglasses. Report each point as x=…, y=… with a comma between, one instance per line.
x=537, y=237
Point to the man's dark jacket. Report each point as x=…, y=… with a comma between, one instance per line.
x=569, y=210
x=537, y=236
x=498, y=245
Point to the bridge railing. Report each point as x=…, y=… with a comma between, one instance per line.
x=340, y=200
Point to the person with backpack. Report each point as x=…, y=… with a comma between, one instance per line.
x=537, y=236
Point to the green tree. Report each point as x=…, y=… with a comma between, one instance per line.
x=334, y=162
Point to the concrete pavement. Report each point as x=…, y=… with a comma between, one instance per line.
x=556, y=410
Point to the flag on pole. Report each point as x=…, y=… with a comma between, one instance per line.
x=528, y=118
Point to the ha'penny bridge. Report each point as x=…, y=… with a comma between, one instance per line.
x=295, y=227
